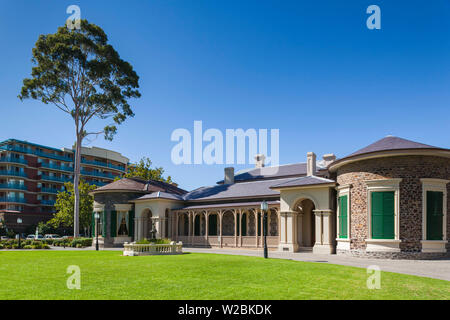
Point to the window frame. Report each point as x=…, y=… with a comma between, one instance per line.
x=382, y=185
x=435, y=185
x=342, y=191
x=122, y=207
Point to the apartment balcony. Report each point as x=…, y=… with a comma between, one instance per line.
x=13, y=160
x=98, y=174
x=56, y=167
x=48, y=202
x=37, y=153
x=13, y=199
x=16, y=149
x=102, y=164
x=15, y=186
x=53, y=178
x=50, y=190
x=13, y=173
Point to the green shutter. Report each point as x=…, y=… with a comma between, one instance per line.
x=343, y=222
x=389, y=215
x=104, y=224
x=434, y=215
x=131, y=223
x=383, y=211
x=113, y=223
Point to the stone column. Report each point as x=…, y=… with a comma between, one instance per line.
x=190, y=227
x=141, y=228
x=136, y=228
x=324, y=243
x=288, y=231
x=235, y=227
x=220, y=228
x=176, y=227
x=206, y=226
x=256, y=227
x=240, y=228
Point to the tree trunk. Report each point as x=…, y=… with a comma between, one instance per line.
x=76, y=183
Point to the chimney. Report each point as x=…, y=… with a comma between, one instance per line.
x=229, y=175
x=259, y=160
x=329, y=158
x=310, y=164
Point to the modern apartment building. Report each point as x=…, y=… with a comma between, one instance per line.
x=31, y=175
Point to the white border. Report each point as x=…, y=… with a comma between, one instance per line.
x=381, y=185
x=439, y=185
x=343, y=243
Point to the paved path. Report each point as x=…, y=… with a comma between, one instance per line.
x=438, y=269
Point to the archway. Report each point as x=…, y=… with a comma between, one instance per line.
x=228, y=223
x=147, y=224
x=306, y=231
x=213, y=222
x=199, y=224
x=183, y=224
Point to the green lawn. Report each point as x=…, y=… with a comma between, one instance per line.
x=108, y=275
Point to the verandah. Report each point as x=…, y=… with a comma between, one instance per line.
x=240, y=226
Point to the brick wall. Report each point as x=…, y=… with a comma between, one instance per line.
x=411, y=169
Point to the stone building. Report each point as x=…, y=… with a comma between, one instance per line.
x=388, y=199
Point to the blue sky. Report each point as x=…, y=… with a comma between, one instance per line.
x=311, y=69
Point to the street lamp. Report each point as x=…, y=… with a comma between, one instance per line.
x=19, y=222
x=97, y=218
x=264, y=208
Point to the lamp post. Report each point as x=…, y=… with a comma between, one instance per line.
x=19, y=221
x=97, y=217
x=264, y=208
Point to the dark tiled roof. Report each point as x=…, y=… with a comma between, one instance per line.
x=303, y=181
x=139, y=185
x=236, y=190
x=161, y=195
x=391, y=143
x=287, y=170
x=229, y=205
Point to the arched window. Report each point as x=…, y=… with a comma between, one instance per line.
x=244, y=224
x=212, y=224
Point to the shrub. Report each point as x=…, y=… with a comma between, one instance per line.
x=45, y=246
x=49, y=241
x=27, y=247
x=15, y=246
x=160, y=241
x=79, y=245
x=143, y=241
x=1, y=246
x=36, y=245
